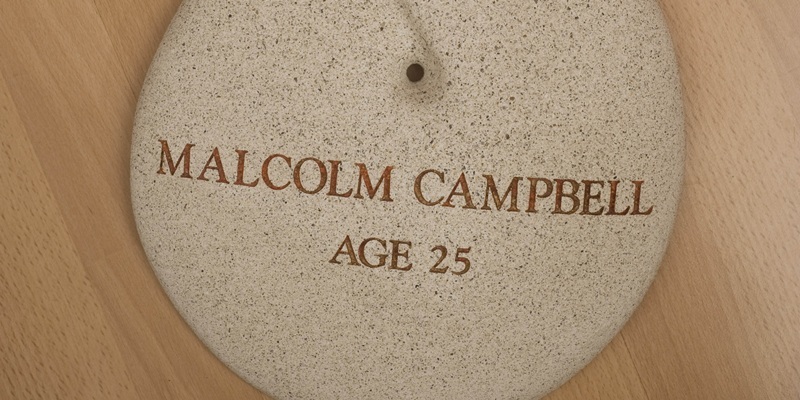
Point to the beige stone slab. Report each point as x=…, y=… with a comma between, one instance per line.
x=296, y=193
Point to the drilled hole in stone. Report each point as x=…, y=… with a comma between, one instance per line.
x=415, y=72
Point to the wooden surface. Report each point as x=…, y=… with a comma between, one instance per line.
x=83, y=316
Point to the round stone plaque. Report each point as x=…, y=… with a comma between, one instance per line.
x=418, y=200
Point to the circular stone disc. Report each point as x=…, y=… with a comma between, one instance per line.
x=332, y=229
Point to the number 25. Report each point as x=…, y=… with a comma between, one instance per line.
x=438, y=268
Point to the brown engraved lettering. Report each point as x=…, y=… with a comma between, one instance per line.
x=265, y=171
x=398, y=252
x=512, y=190
x=418, y=187
x=381, y=257
x=240, y=170
x=637, y=195
x=335, y=180
x=612, y=202
x=323, y=176
x=560, y=194
x=364, y=181
x=345, y=249
x=535, y=193
x=185, y=156
x=464, y=192
x=217, y=167
x=588, y=197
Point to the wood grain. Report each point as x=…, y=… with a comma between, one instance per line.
x=82, y=315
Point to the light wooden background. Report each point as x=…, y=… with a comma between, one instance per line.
x=82, y=315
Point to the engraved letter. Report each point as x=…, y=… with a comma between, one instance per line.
x=323, y=176
x=637, y=195
x=185, y=157
x=381, y=257
x=512, y=190
x=366, y=182
x=418, y=187
x=217, y=167
x=349, y=252
x=534, y=192
x=612, y=202
x=240, y=170
x=588, y=197
x=461, y=183
x=396, y=251
x=560, y=194
x=334, y=180
x=265, y=171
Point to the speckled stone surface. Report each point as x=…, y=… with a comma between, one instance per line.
x=579, y=100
